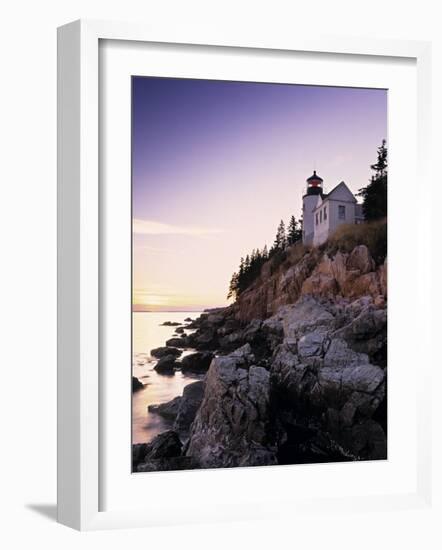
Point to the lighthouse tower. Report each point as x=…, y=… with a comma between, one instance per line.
x=310, y=200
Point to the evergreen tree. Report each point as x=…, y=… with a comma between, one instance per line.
x=294, y=232
x=247, y=263
x=250, y=267
x=374, y=196
x=233, y=287
x=291, y=230
x=282, y=235
x=301, y=227
x=380, y=167
x=241, y=268
x=280, y=239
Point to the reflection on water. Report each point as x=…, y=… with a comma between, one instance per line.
x=147, y=335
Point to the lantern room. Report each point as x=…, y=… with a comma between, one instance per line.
x=314, y=184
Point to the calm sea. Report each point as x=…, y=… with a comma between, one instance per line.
x=147, y=335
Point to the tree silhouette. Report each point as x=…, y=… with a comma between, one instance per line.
x=380, y=167
x=374, y=196
x=250, y=267
x=280, y=241
x=294, y=231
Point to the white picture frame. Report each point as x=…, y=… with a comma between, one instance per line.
x=79, y=274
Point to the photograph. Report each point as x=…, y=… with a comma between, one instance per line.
x=259, y=274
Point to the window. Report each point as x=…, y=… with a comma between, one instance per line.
x=320, y=216
x=316, y=218
x=325, y=213
x=341, y=212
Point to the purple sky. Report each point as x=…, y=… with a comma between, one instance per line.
x=217, y=164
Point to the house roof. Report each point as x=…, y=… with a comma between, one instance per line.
x=329, y=196
x=341, y=185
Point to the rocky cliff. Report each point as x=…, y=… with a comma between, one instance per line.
x=298, y=372
x=312, y=272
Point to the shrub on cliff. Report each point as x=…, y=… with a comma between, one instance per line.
x=347, y=236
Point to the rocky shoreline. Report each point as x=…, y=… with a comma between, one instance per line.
x=294, y=371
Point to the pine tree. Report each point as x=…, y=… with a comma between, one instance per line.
x=374, y=196
x=293, y=231
x=233, y=287
x=380, y=167
x=247, y=263
x=250, y=267
x=283, y=235
x=241, y=268
x=280, y=239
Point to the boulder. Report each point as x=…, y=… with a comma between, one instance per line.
x=136, y=384
x=273, y=331
x=211, y=326
x=165, y=350
x=231, y=425
x=367, y=284
x=167, y=410
x=360, y=259
x=164, y=445
x=292, y=380
x=367, y=333
x=244, y=353
x=206, y=339
x=338, y=268
x=363, y=378
x=229, y=326
x=311, y=344
x=252, y=331
x=215, y=319
x=231, y=341
x=163, y=453
x=176, y=342
x=306, y=316
x=166, y=365
x=320, y=284
x=198, y=362
x=340, y=355
x=188, y=406
x=139, y=451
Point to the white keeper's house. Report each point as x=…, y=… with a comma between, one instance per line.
x=323, y=212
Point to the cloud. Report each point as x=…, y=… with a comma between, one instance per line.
x=149, y=227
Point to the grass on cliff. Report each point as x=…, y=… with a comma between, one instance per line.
x=347, y=236
x=372, y=234
x=288, y=257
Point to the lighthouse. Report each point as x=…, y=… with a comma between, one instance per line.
x=323, y=212
x=310, y=201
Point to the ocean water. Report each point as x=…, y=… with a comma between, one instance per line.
x=147, y=335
